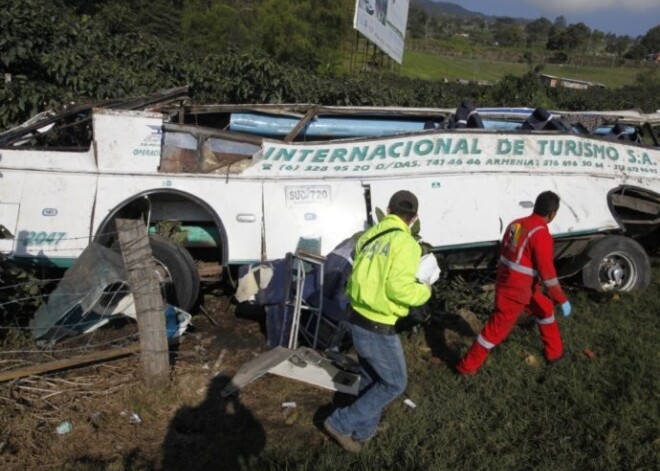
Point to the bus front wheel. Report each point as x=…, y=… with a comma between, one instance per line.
x=176, y=272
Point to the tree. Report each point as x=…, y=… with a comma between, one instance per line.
x=56, y=56
x=636, y=52
x=509, y=36
x=651, y=40
x=417, y=22
x=560, y=22
x=507, y=32
x=537, y=31
x=617, y=45
x=576, y=36
x=518, y=90
x=481, y=32
x=330, y=26
x=597, y=41
x=555, y=39
x=213, y=28
x=307, y=34
x=156, y=17
x=572, y=38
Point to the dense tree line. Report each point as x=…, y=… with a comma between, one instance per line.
x=539, y=34
x=244, y=51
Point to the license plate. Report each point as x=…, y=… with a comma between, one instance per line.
x=307, y=194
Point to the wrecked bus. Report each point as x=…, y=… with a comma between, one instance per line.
x=223, y=185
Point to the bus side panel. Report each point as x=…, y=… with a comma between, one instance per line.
x=471, y=210
x=8, y=219
x=55, y=215
x=53, y=192
x=239, y=207
x=453, y=209
x=311, y=214
x=583, y=208
x=127, y=141
x=11, y=189
x=236, y=204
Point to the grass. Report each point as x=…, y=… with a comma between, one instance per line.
x=434, y=67
x=460, y=58
x=612, y=77
x=583, y=414
x=437, y=67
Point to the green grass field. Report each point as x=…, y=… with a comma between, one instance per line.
x=436, y=67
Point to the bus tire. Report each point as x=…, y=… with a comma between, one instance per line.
x=617, y=263
x=176, y=272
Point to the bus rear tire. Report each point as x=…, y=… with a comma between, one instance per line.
x=618, y=263
x=176, y=272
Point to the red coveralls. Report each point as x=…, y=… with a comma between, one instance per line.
x=526, y=261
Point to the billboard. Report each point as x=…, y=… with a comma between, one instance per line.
x=383, y=22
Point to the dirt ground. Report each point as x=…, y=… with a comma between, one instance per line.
x=108, y=420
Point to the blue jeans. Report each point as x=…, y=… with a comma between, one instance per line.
x=383, y=378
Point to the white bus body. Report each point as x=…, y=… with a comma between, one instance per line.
x=245, y=198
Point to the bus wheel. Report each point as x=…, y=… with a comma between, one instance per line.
x=617, y=264
x=176, y=272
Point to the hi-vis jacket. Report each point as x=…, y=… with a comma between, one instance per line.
x=527, y=260
x=383, y=286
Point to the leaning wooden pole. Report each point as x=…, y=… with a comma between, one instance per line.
x=149, y=306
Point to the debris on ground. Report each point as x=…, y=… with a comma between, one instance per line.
x=532, y=361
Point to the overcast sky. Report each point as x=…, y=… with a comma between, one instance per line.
x=631, y=17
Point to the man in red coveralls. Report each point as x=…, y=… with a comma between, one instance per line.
x=525, y=267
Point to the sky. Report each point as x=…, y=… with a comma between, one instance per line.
x=631, y=17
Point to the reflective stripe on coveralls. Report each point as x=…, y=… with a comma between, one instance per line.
x=485, y=343
x=516, y=267
x=551, y=282
x=524, y=243
x=546, y=320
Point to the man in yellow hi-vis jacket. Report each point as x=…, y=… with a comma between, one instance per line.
x=382, y=286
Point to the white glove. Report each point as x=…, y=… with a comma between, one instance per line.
x=428, y=271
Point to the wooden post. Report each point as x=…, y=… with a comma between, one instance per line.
x=149, y=305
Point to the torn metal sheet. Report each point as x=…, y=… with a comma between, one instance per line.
x=91, y=293
x=312, y=367
x=303, y=364
x=256, y=368
x=97, y=279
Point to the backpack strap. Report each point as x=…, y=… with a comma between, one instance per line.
x=386, y=231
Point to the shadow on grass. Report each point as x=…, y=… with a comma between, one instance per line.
x=252, y=312
x=220, y=433
x=445, y=336
x=338, y=400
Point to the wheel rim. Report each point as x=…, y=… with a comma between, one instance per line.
x=617, y=271
x=164, y=278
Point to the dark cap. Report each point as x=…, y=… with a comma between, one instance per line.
x=404, y=202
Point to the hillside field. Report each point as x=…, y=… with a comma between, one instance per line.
x=475, y=68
